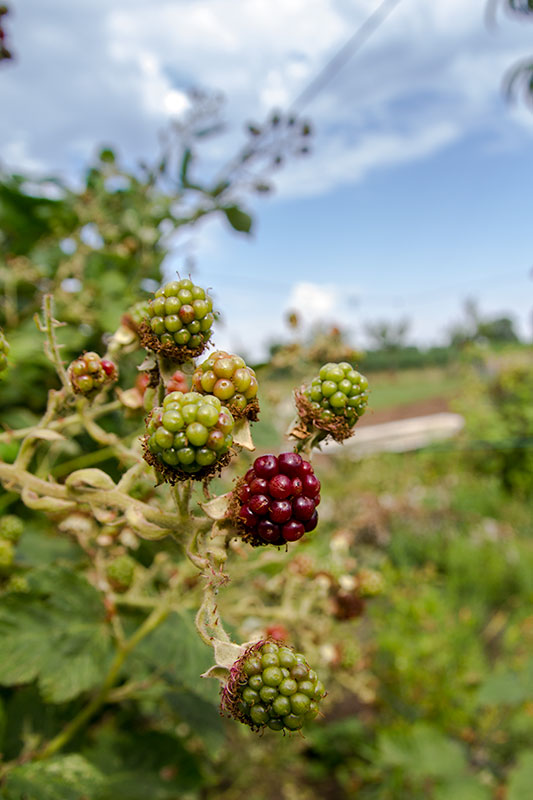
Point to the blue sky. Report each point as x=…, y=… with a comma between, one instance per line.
x=417, y=193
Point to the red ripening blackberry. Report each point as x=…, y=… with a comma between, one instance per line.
x=89, y=373
x=276, y=501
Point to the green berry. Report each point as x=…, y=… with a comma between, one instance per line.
x=181, y=319
x=191, y=432
x=11, y=528
x=228, y=378
x=260, y=695
x=120, y=573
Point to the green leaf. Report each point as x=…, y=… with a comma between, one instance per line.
x=175, y=651
x=467, y=788
x=238, y=219
x=521, y=777
x=508, y=688
x=142, y=765
x=422, y=752
x=69, y=777
x=56, y=634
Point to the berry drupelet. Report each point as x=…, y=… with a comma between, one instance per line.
x=276, y=501
x=89, y=373
x=179, y=322
x=334, y=401
x=272, y=686
x=189, y=436
x=228, y=378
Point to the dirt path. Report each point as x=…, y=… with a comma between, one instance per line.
x=420, y=408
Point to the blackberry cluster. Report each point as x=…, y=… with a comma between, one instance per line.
x=89, y=373
x=136, y=315
x=180, y=318
x=120, y=573
x=272, y=686
x=276, y=501
x=4, y=350
x=189, y=436
x=228, y=378
x=335, y=399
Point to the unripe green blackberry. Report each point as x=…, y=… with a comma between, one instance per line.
x=228, y=378
x=7, y=554
x=11, y=528
x=334, y=401
x=120, y=573
x=272, y=686
x=180, y=318
x=89, y=373
x=18, y=584
x=4, y=350
x=190, y=435
x=137, y=314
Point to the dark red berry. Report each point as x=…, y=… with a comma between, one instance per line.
x=292, y=531
x=259, y=504
x=107, y=366
x=311, y=524
x=280, y=511
x=259, y=486
x=297, y=487
x=311, y=485
x=304, y=469
x=266, y=467
x=268, y=531
x=303, y=508
x=244, y=493
x=289, y=464
x=250, y=475
x=248, y=517
x=280, y=486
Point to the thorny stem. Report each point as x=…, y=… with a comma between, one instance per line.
x=30, y=442
x=63, y=422
x=51, y=346
x=14, y=477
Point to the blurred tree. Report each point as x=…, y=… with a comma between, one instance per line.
x=388, y=336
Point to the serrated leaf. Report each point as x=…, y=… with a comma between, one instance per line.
x=56, y=634
x=521, y=777
x=175, y=651
x=238, y=219
x=69, y=777
x=144, y=765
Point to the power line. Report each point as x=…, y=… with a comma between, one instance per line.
x=342, y=56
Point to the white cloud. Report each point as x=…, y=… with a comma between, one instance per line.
x=313, y=302
x=429, y=76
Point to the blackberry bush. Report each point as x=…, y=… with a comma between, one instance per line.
x=334, y=401
x=89, y=373
x=276, y=501
x=272, y=686
x=180, y=318
x=190, y=435
x=228, y=378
